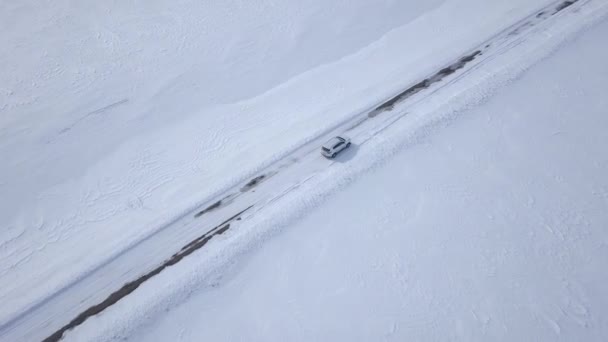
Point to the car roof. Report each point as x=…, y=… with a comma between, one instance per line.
x=332, y=142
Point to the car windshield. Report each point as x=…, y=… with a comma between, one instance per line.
x=325, y=149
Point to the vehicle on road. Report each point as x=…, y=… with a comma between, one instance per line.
x=334, y=146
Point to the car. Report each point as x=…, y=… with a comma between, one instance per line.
x=334, y=146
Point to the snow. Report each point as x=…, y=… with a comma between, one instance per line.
x=172, y=143
x=456, y=221
x=117, y=119
x=492, y=227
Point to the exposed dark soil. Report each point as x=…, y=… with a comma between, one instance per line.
x=193, y=242
x=424, y=84
x=129, y=287
x=565, y=5
x=388, y=105
x=253, y=183
x=208, y=209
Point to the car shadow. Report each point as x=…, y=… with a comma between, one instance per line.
x=347, y=154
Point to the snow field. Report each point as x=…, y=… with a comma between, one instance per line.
x=107, y=140
x=207, y=269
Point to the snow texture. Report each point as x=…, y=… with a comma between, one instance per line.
x=461, y=221
x=490, y=228
x=118, y=119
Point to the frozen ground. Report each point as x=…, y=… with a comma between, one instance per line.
x=122, y=190
x=466, y=211
x=117, y=119
x=492, y=227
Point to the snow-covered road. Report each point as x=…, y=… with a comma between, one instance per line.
x=114, y=279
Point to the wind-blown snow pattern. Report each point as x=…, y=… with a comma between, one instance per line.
x=118, y=118
x=490, y=228
x=175, y=118
x=243, y=295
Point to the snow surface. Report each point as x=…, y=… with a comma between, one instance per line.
x=489, y=223
x=493, y=227
x=116, y=119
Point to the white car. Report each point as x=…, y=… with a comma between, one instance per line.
x=334, y=146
